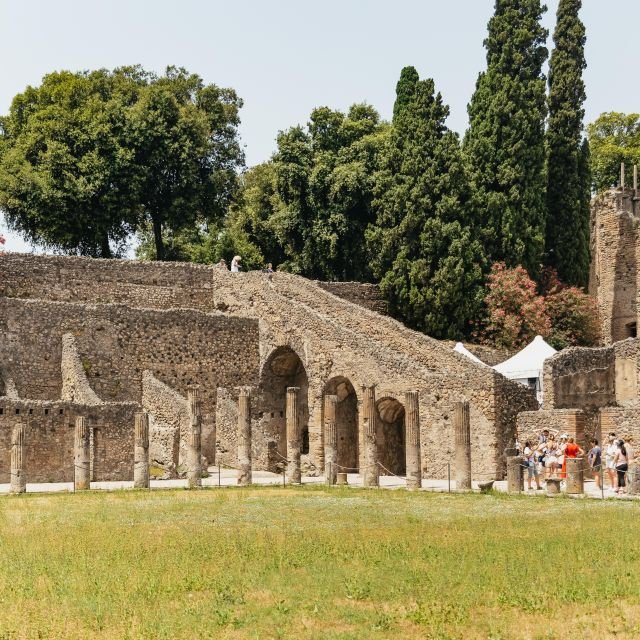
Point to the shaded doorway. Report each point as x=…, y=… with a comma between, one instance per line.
x=391, y=436
x=282, y=369
x=346, y=422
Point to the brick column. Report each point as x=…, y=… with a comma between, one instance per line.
x=194, y=441
x=141, y=451
x=82, y=457
x=330, y=439
x=370, y=476
x=18, y=477
x=293, y=436
x=515, y=477
x=462, y=429
x=244, y=437
x=412, y=440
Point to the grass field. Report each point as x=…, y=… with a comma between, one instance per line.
x=317, y=563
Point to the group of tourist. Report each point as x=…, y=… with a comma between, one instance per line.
x=547, y=459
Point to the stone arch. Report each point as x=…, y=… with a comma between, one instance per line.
x=346, y=421
x=283, y=368
x=390, y=435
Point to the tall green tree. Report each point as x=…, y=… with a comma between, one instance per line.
x=423, y=245
x=505, y=139
x=567, y=234
x=613, y=138
x=87, y=158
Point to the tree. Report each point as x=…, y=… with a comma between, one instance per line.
x=423, y=246
x=66, y=175
x=613, y=138
x=87, y=158
x=505, y=139
x=324, y=188
x=516, y=313
x=567, y=231
x=573, y=314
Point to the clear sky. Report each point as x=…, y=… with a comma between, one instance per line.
x=285, y=57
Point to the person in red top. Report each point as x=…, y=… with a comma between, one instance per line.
x=571, y=450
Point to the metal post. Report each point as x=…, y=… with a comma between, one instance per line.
x=622, y=175
x=219, y=481
x=449, y=476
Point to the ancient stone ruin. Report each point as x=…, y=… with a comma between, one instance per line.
x=157, y=357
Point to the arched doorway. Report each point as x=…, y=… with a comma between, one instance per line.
x=346, y=421
x=282, y=369
x=391, y=436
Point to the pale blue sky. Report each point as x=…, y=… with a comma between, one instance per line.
x=285, y=57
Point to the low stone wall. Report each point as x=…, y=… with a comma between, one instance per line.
x=364, y=295
x=49, y=440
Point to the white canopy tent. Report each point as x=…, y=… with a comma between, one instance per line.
x=527, y=365
x=460, y=348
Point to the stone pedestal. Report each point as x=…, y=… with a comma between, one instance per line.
x=330, y=439
x=294, y=475
x=553, y=486
x=18, y=477
x=82, y=457
x=194, y=439
x=341, y=478
x=633, y=479
x=412, y=440
x=575, y=475
x=515, y=477
x=370, y=475
x=244, y=437
x=462, y=430
x=141, y=452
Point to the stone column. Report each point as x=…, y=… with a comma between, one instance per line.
x=330, y=439
x=141, y=452
x=18, y=477
x=462, y=429
x=515, y=477
x=82, y=457
x=294, y=475
x=575, y=475
x=194, y=444
x=244, y=437
x=633, y=479
x=370, y=476
x=412, y=440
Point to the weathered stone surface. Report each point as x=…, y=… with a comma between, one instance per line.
x=244, y=437
x=515, y=477
x=370, y=474
x=18, y=475
x=412, y=426
x=141, y=451
x=575, y=475
x=462, y=427
x=330, y=439
x=633, y=479
x=194, y=443
x=294, y=475
x=82, y=457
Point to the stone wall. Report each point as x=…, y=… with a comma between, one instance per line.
x=116, y=344
x=360, y=293
x=613, y=279
x=49, y=439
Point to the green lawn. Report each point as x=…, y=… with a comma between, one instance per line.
x=314, y=563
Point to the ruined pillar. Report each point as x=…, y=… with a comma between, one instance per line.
x=412, y=440
x=141, y=451
x=244, y=437
x=82, y=457
x=633, y=479
x=194, y=443
x=370, y=476
x=18, y=477
x=462, y=429
x=294, y=475
x=575, y=476
x=515, y=477
x=330, y=439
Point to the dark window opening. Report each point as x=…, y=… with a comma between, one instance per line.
x=305, y=440
x=632, y=330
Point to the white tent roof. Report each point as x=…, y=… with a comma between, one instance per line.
x=527, y=363
x=460, y=348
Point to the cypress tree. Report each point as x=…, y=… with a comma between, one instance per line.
x=505, y=140
x=567, y=235
x=423, y=249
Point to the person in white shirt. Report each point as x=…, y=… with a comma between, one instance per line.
x=610, y=455
x=235, y=264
